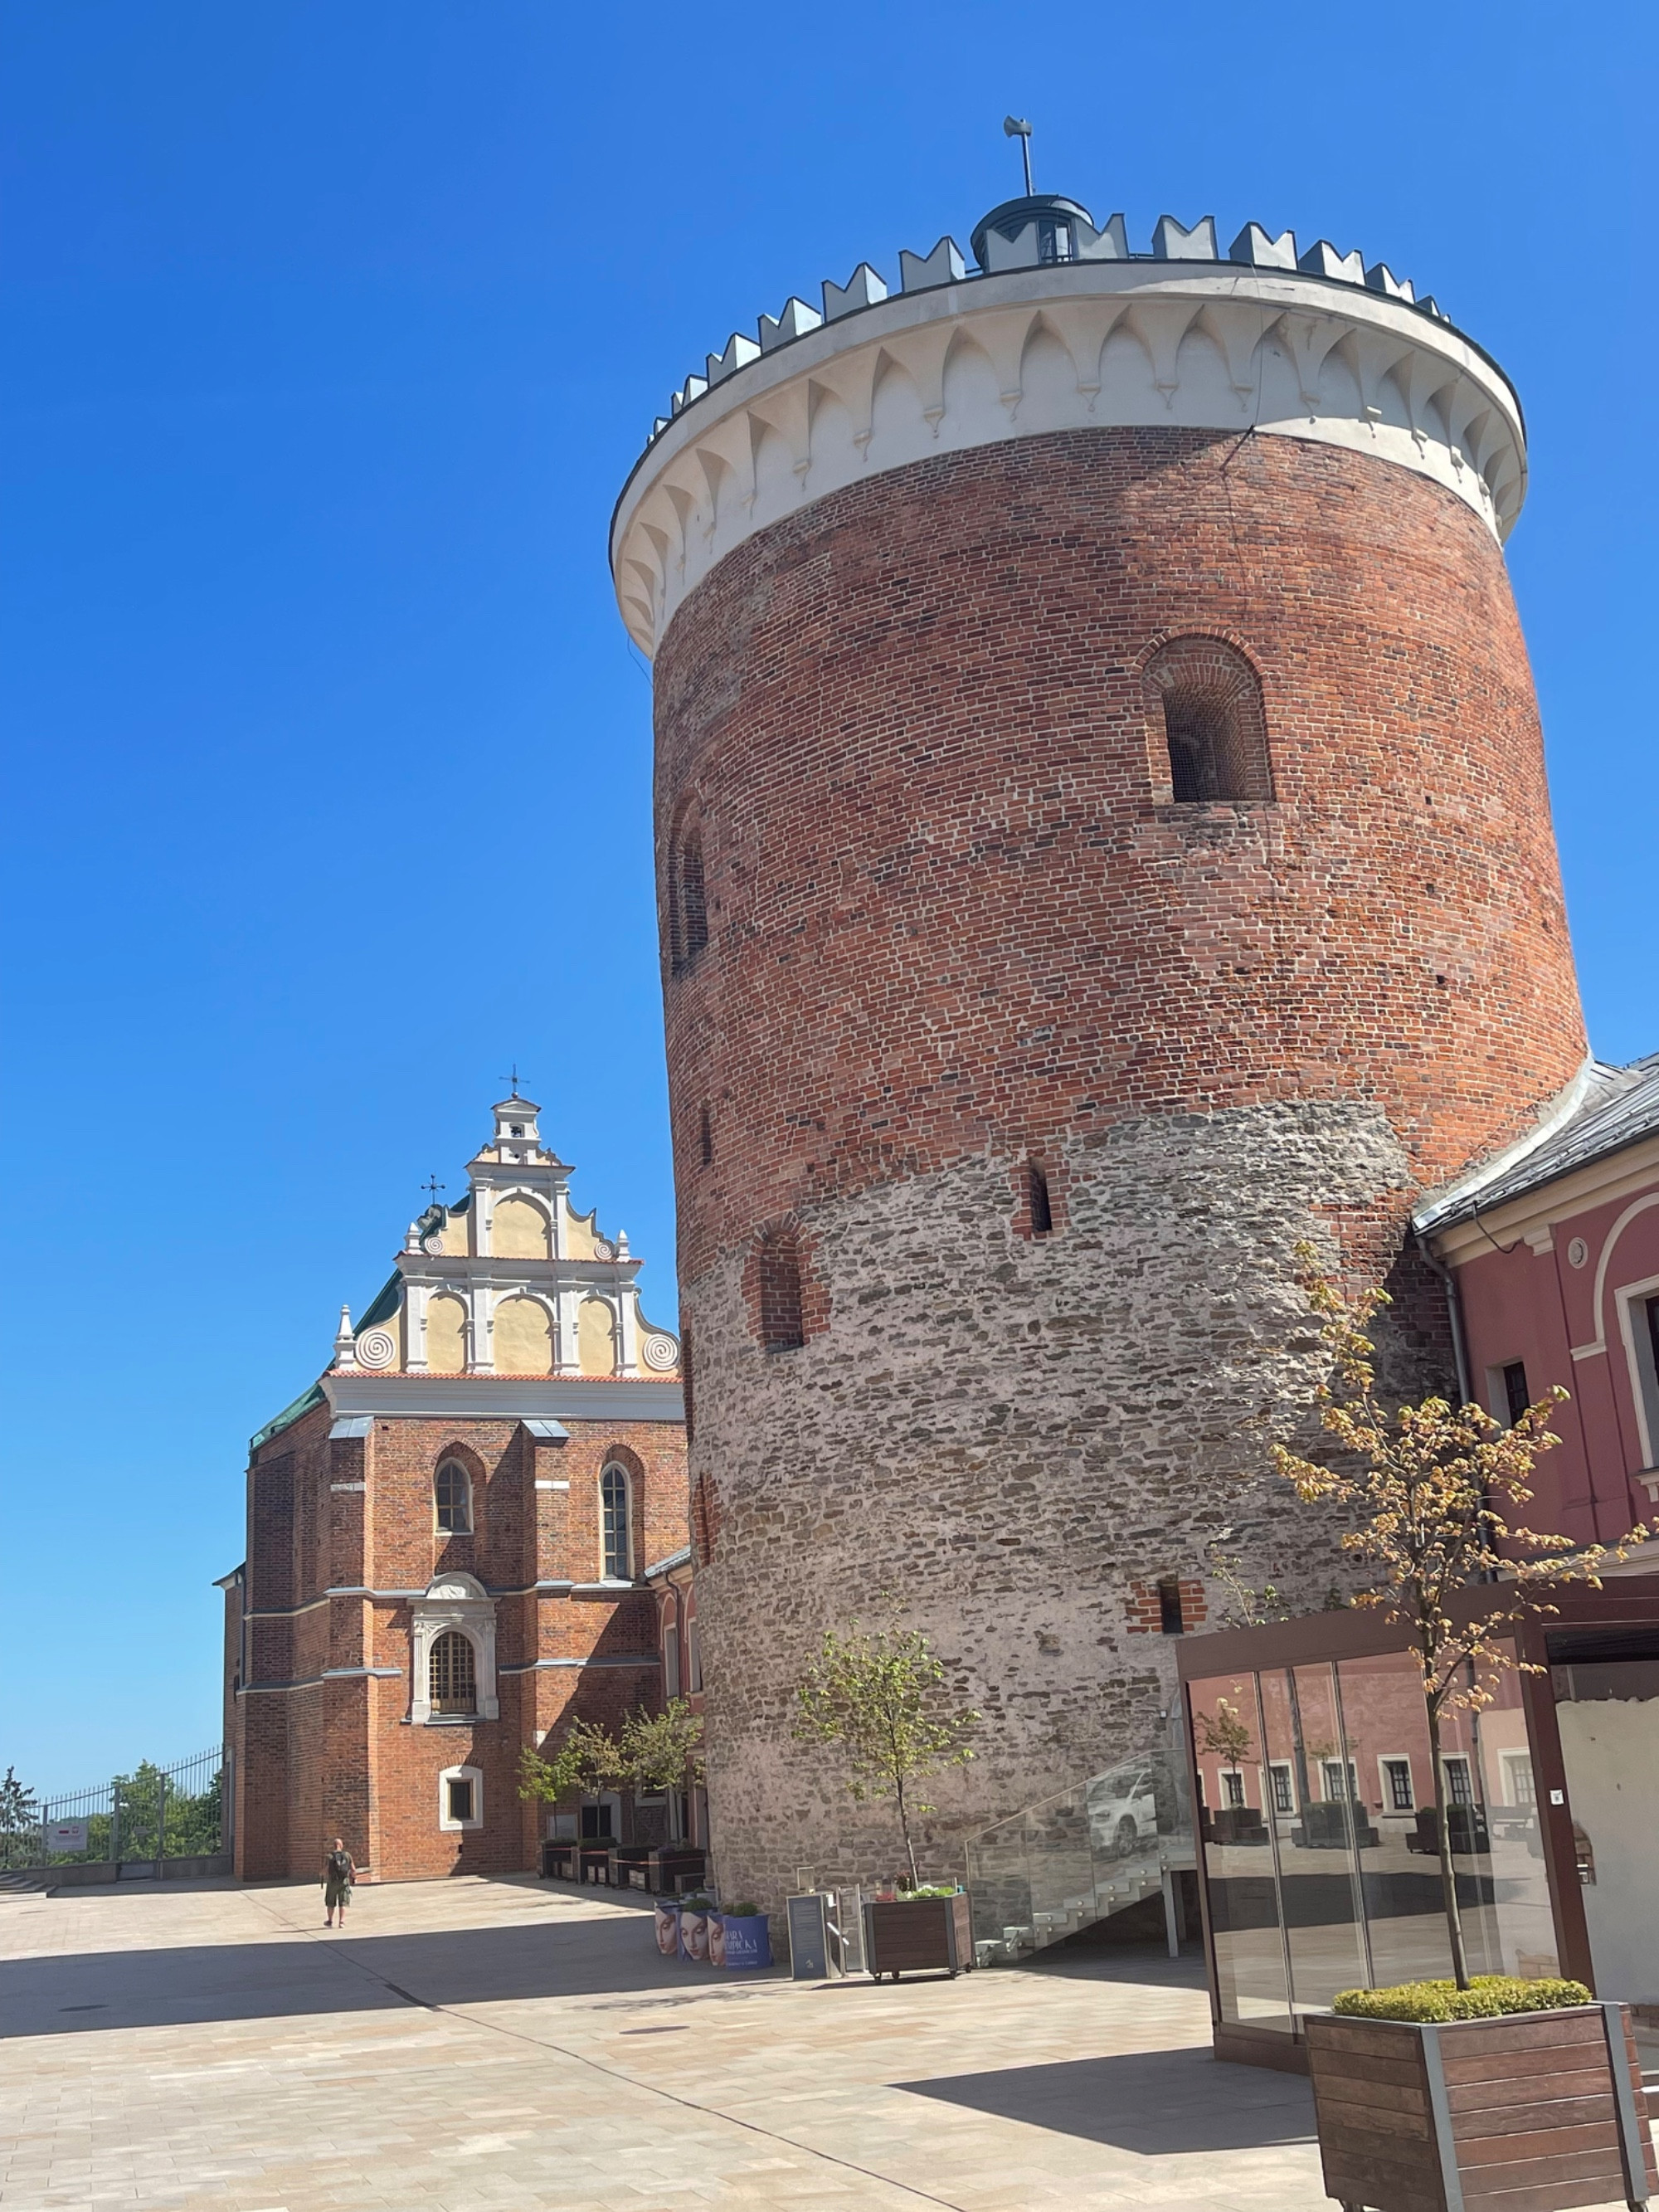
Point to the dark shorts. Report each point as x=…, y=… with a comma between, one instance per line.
x=337, y=1891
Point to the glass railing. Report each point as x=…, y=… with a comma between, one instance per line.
x=1084, y=1853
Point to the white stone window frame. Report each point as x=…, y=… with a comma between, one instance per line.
x=475, y=1776
x=1629, y=1299
x=1385, y=1760
x=458, y=1602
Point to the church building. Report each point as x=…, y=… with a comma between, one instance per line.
x=449, y=1536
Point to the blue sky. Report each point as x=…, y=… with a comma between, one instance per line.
x=332, y=333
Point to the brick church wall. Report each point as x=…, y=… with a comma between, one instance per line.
x=340, y=1756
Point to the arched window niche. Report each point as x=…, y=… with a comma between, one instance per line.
x=688, y=900
x=453, y=1654
x=1208, y=699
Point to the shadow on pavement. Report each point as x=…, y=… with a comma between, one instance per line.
x=1156, y=2102
x=170, y=1986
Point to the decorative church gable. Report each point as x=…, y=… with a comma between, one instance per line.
x=510, y=1281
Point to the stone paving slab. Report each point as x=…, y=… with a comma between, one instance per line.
x=468, y=2046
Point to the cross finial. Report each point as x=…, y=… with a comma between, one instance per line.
x=512, y=1079
x=1017, y=126
x=433, y=1186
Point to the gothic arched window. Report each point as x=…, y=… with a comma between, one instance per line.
x=453, y=1493
x=615, y=1521
x=1214, y=729
x=451, y=1675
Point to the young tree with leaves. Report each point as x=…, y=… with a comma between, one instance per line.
x=1429, y=1487
x=882, y=1697
x=585, y=1762
x=662, y=1750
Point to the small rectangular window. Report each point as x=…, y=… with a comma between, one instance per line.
x=694, y=1652
x=1397, y=1774
x=1460, y=1784
x=1516, y=1400
x=1284, y=1789
x=1232, y=1783
x=460, y=1799
x=1341, y=1783
x=1170, y=1619
x=671, y=1662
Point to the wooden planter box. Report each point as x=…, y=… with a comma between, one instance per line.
x=1534, y=2112
x=909, y=1935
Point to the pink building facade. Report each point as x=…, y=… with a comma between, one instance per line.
x=1553, y=1258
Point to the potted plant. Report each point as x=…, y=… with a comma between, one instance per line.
x=1527, y=2085
x=1429, y=2098
x=881, y=1696
x=745, y=1938
x=917, y=1930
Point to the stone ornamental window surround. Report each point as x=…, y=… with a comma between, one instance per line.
x=457, y=1601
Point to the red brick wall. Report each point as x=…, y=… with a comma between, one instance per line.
x=949, y=902
x=340, y=1756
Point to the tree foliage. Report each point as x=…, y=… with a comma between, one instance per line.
x=662, y=1750
x=1430, y=1489
x=882, y=1697
x=1224, y=1733
x=585, y=1763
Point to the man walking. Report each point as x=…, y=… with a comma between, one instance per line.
x=338, y=1874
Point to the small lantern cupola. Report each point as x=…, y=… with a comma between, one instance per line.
x=516, y=1133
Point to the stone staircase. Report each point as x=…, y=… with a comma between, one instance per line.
x=19, y=1886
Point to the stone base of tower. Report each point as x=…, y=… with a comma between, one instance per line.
x=1012, y=1440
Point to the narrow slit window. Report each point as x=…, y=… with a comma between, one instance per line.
x=1036, y=1189
x=706, y=1136
x=1169, y=1616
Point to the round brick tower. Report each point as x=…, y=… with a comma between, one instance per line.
x=1104, y=840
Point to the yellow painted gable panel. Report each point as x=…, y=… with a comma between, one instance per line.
x=578, y=1235
x=458, y=1235
x=523, y=1338
x=445, y=1336
x=519, y=1231
x=596, y=1338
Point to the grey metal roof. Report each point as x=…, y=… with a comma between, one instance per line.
x=1620, y=1107
x=666, y=1566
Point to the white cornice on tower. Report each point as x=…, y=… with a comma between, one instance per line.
x=1313, y=345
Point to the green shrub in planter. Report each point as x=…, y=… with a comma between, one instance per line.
x=1487, y=1997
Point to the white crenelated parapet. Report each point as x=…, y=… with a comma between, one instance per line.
x=1313, y=345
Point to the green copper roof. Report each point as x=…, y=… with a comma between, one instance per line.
x=302, y=1404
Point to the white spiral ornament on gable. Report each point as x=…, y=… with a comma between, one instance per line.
x=376, y=1347
x=660, y=1353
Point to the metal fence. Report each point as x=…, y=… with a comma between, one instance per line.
x=152, y=1813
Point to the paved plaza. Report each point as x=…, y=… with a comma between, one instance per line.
x=472, y=2044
